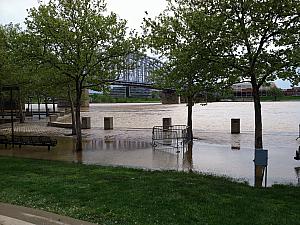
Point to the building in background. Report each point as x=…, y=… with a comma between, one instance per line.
x=294, y=91
x=244, y=90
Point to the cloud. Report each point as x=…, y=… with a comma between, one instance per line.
x=14, y=11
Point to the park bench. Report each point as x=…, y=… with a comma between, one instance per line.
x=4, y=140
x=35, y=141
x=29, y=140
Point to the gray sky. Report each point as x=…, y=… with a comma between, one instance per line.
x=132, y=10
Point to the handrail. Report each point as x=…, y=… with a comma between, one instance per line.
x=174, y=135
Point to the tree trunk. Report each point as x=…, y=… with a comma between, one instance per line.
x=190, y=118
x=53, y=105
x=258, y=118
x=77, y=114
x=27, y=110
x=46, y=107
x=73, y=119
x=72, y=111
x=259, y=170
x=21, y=114
x=39, y=107
x=189, y=156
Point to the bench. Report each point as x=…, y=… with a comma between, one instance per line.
x=29, y=140
x=4, y=140
x=35, y=141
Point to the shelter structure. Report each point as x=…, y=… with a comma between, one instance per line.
x=10, y=110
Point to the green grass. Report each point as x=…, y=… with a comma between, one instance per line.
x=280, y=98
x=96, y=98
x=128, y=196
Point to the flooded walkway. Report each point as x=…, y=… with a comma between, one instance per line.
x=216, y=151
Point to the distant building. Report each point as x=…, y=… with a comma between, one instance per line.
x=295, y=91
x=244, y=90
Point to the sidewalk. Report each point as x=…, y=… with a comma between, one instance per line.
x=34, y=127
x=17, y=215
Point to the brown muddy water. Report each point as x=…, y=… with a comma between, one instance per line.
x=215, y=151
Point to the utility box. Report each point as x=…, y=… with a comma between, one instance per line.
x=261, y=157
x=108, y=123
x=235, y=126
x=86, y=122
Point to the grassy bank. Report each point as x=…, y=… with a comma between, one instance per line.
x=280, y=98
x=95, y=98
x=126, y=196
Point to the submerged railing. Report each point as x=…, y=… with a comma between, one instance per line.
x=172, y=136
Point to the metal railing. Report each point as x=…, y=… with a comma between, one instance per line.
x=173, y=136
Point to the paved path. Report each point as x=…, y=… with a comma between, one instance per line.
x=17, y=215
x=40, y=128
x=34, y=127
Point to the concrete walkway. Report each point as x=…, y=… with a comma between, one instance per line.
x=17, y=215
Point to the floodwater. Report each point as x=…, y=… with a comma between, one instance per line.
x=215, y=151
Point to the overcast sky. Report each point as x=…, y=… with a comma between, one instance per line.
x=132, y=10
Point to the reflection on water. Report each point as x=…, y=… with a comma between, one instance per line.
x=259, y=174
x=216, y=151
x=138, y=154
x=235, y=142
x=297, y=170
x=187, y=163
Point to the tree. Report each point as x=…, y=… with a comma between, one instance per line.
x=260, y=40
x=180, y=35
x=11, y=71
x=14, y=70
x=80, y=41
x=275, y=92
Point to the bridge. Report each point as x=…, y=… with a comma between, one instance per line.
x=138, y=71
x=137, y=79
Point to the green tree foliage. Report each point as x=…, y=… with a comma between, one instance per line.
x=11, y=71
x=2, y=51
x=180, y=35
x=251, y=40
x=14, y=71
x=81, y=41
x=33, y=79
x=275, y=92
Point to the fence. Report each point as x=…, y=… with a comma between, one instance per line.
x=174, y=136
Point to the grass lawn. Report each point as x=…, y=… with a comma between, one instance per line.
x=107, y=195
x=280, y=98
